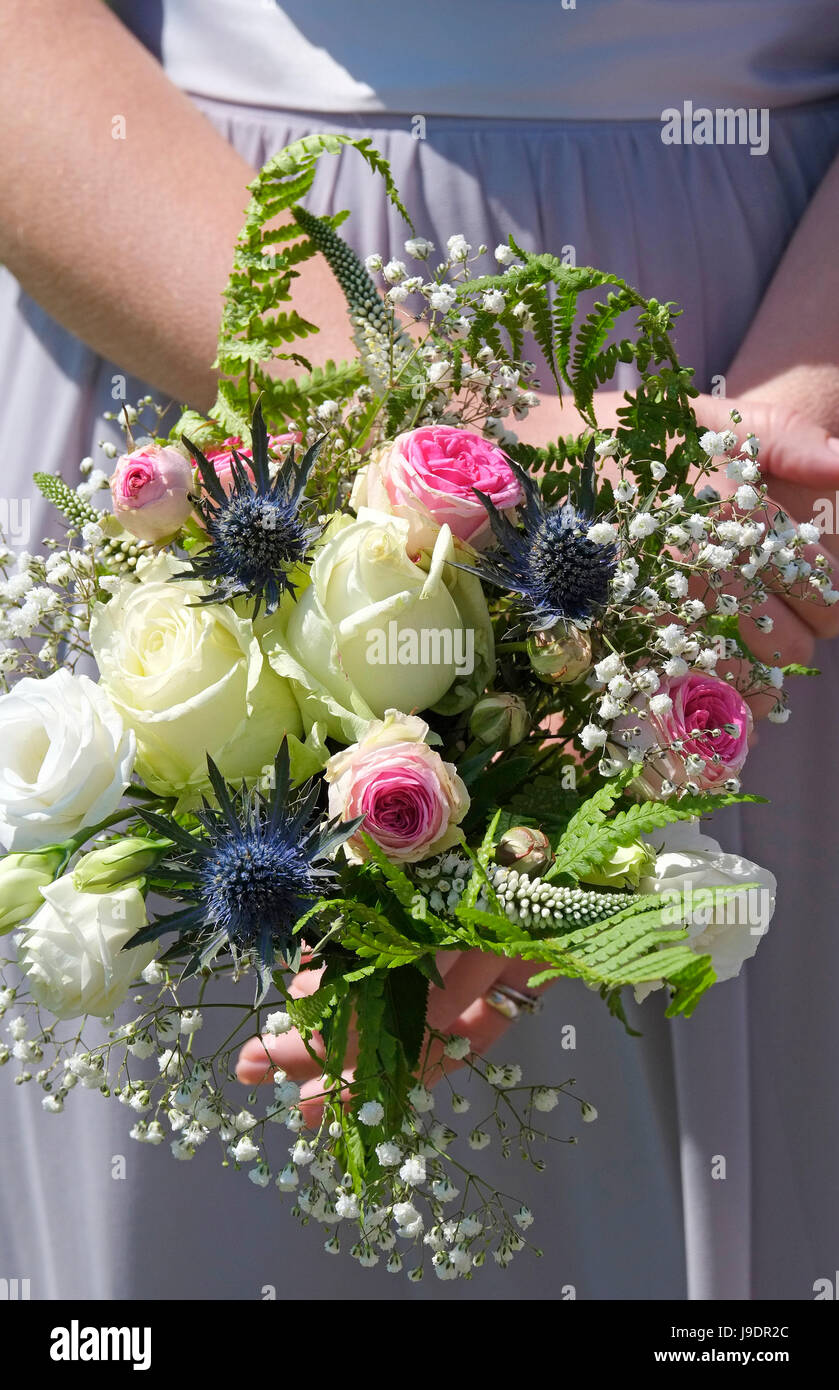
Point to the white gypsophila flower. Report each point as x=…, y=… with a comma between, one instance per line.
x=646, y=680
x=677, y=584
x=261, y=1175
x=716, y=443
x=727, y=604
x=142, y=1046
x=389, y=1154
x=72, y=950
x=607, y=448
x=658, y=471
x=276, y=1024
x=301, y=1154
x=779, y=714
x=602, y=533
x=394, y=271
x=620, y=687
x=494, y=302
x=504, y=254
x=244, y=1150
x=288, y=1179
x=371, y=1113
x=191, y=1021
x=154, y=973
x=643, y=524
x=421, y=1099
x=460, y=1104
x=746, y=498
x=660, y=704
x=478, y=1139
x=503, y=1076
x=609, y=708
x=419, y=248
x=457, y=1047
x=717, y=557
x=444, y=1191
x=610, y=666
x=458, y=247
x=442, y=297
x=398, y=294
x=672, y=638
x=809, y=533
x=373, y=262
x=676, y=667
x=412, y=1171
x=592, y=737
x=588, y=1113
x=707, y=659
x=67, y=758
x=545, y=1099
x=625, y=490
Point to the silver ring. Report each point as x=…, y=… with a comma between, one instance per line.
x=511, y=1002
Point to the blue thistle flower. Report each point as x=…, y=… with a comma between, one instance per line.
x=258, y=533
x=258, y=862
x=557, y=574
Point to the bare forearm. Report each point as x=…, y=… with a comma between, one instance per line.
x=791, y=351
x=126, y=241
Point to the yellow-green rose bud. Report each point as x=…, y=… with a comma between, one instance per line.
x=124, y=860
x=22, y=876
x=624, y=868
x=500, y=719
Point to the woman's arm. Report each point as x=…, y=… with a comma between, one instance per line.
x=127, y=242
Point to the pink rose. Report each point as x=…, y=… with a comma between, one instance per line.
x=412, y=802
x=703, y=703
x=222, y=458
x=428, y=476
x=150, y=488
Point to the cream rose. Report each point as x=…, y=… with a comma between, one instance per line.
x=72, y=950
x=67, y=758
x=189, y=680
x=729, y=931
x=376, y=630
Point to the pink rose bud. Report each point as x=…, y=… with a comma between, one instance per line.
x=150, y=488
x=429, y=477
x=222, y=458
x=412, y=801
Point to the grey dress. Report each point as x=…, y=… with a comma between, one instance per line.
x=633, y=1210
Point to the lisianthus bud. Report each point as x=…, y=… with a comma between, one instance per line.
x=124, y=860
x=559, y=657
x=500, y=719
x=624, y=868
x=22, y=876
x=151, y=490
x=524, y=848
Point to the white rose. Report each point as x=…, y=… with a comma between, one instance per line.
x=67, y=758
x=368, y=602
x=189, y=680
x=71, y=951
x=689, y=862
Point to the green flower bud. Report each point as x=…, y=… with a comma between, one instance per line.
x=624, y=868
x=501, y=719
x=22, y=876
x=524, y=848
x=106, y=868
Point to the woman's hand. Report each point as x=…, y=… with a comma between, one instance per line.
x=461, y=1008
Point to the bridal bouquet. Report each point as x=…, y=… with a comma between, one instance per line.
x=346, y=679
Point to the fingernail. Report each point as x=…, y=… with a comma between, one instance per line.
x=833, y=443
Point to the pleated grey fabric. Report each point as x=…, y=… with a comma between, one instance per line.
x=634, y=1209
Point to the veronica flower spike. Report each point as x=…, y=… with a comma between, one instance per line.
x=259, y=862
x=257, y=533
x=549, y=564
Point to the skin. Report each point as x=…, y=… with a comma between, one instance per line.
x=132, y=257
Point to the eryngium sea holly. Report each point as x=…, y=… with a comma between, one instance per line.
x=257, y=533
x=257, y=863
x=557, y=574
